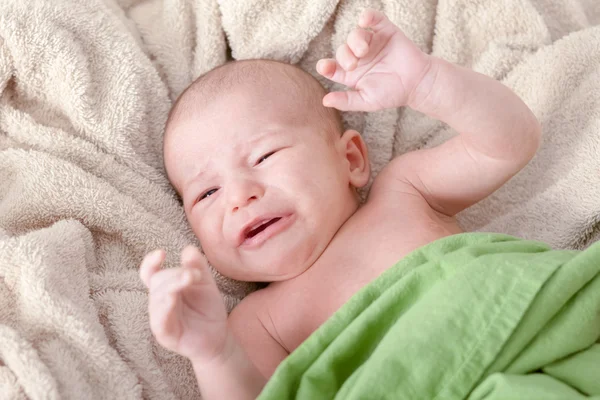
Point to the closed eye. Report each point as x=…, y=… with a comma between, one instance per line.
x=206, y=194
x=263, y=158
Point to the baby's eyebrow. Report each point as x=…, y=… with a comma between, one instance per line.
x=267, y=132
x=196, y=177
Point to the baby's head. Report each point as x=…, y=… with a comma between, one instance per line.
x=266, y=173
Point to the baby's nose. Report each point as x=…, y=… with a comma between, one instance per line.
x=244, y=193
x=242, y=204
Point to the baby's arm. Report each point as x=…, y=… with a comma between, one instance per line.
x=498, y=134
x=232, y=375
x=250, y=356
x=187, y=316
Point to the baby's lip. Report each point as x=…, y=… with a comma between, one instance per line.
x=255, y=226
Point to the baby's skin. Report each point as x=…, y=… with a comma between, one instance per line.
x=318, y=247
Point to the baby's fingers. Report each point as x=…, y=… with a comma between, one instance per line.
x=194, y=262
x=358, y=42
x=376, y=20
x=346, y=58
x=150, y=265
x=164, y=303
x=172, y=281
x=347, y=101
x=330, y=69
x=165, y=320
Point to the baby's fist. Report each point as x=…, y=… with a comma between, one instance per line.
x=378, y=62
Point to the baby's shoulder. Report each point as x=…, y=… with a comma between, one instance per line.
x=256, y=334
x=396, y=216
x=394, y=180
x=251, y=304
x=252, y=315
x=255, y=306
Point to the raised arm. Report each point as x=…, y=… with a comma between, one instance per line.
x=498, y=134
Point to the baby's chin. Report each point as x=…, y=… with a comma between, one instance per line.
x=268, y=267
x=277, y=261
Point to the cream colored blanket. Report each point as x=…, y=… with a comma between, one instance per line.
x=85, y=87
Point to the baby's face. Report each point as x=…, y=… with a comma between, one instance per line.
x=264, y=187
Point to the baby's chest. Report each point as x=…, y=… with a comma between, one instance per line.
x=361, y=251
x=308, y=306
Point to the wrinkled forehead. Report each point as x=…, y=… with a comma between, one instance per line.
x=277, y=99
x=232, y=120
x=245, y=109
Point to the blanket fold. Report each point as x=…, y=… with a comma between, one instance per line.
x=480, y=315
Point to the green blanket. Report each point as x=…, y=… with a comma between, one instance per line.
x=477, y=316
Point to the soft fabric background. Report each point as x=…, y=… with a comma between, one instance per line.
x=85, y=87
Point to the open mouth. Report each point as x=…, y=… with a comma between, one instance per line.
x=262, y=230
x=255, y=230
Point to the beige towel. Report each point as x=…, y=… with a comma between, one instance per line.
x=85, y=87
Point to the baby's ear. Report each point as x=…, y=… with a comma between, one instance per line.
x=357, y=156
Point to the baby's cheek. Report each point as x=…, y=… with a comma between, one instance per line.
x=199, y=228
x=204, y=229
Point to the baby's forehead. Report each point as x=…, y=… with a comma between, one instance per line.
x=262, y=89
x=277, y=81
x=249, y=107
x=214, y=153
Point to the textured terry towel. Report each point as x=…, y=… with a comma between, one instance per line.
x=479, y=316
x=85, y=87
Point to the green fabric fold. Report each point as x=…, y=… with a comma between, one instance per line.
x=481, y=316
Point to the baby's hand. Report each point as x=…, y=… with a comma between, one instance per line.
x=187, y=314
x=381, y=65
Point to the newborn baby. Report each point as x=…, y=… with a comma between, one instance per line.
x=268, y=179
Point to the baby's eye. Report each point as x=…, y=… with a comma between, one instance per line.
x=263, y=158
x=206, y=194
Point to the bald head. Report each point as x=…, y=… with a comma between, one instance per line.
x=264, y=75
